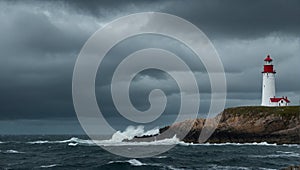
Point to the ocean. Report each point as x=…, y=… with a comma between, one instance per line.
x=78, y=152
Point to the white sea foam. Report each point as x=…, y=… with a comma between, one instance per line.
x=168, y=141
x=131, y=132
x=217, y=167
x=173, y=168
x=161, y=157
x=235, y=144
x=73, y=139
x=292, y=145
x=48, y=166
x=39, y=142
x=282, y=154
x=135, y=162
x=11, y=151
x=243, y=144
x=119, y=137
x=72, y=144
x=154, y=131
x=229, y=167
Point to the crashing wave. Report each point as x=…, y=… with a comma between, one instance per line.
x=132, y=132
x=120, y=138
x=117, y=139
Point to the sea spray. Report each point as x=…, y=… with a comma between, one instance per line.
x=131, y=132
x=117, y=139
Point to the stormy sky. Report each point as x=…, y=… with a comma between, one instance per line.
x=40, y=41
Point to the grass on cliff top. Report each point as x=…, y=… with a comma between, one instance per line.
x=282, y=111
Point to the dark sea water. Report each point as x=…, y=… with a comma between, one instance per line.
x=70, y=152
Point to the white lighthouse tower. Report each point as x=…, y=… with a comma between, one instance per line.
x=268, y=86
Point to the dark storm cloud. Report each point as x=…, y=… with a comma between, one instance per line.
x=97, y=8
x=234, y=18
x=39, y=44
x=40, y=41
x=240, y=18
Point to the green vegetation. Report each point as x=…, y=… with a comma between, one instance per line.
x=286, y=111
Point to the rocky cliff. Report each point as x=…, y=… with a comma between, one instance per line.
x=249, y=124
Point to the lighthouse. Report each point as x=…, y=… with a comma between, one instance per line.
x=268, y=86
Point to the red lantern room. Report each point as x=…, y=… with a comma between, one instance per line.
x=268, y=59
x=268, y=67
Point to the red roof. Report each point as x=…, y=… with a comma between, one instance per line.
x=268, y=58
x=274, y=99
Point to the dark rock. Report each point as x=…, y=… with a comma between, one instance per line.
x=279, y=125
x=292, y=168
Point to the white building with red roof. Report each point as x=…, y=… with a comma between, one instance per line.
x=268, y=86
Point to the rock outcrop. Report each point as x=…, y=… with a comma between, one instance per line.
x=249, y=124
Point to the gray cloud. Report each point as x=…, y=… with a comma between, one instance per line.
x=240, y=19
x=40, y=41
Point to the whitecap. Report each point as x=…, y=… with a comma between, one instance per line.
x=48, y=166
x=11, y=151
x=161, y=157
x=173, y=168
x=73, y=139
x=237, y=144
x=287, y=154
x=133, y=162
x=292, y=145
x=72, y=144
x=284, y=152
x=228, y=143
x=229, y=167
x=243, y=144
x=38, y=142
